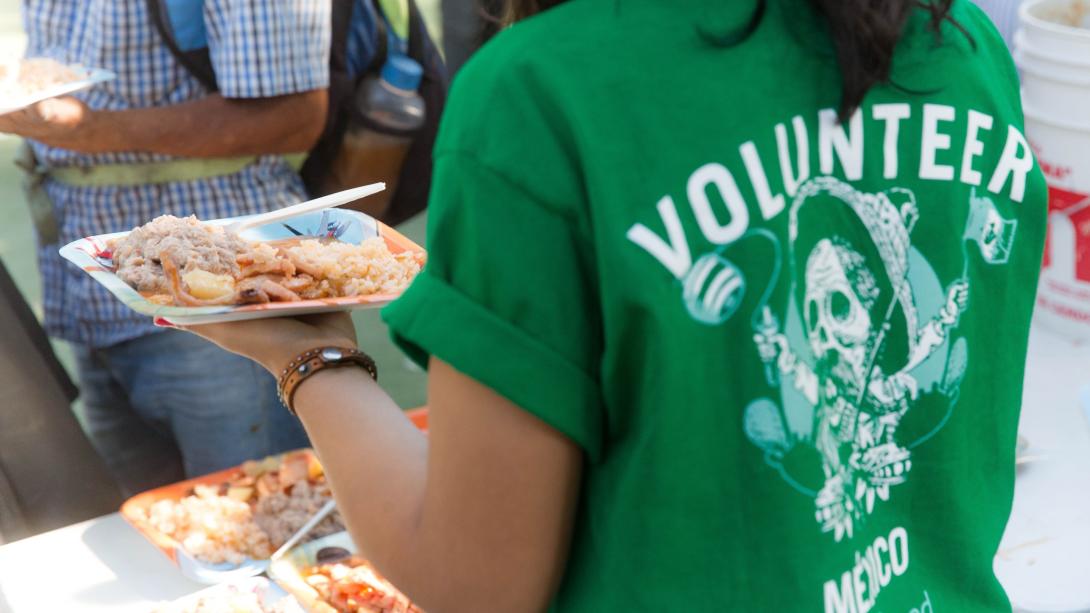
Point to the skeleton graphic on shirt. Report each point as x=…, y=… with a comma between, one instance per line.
x=857, y=406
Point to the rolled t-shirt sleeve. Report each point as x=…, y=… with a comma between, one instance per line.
x=508, y=297
x=265, y=48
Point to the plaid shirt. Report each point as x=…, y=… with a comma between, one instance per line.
x=259, y=48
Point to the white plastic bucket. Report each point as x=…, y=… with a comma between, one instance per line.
x=1053, y=54
x=1054, y=91
x=1057, y=27
x=1058, y=86
x=1062, y=147
x=1078, y=65
x=1063, y=150
x=1063, y=307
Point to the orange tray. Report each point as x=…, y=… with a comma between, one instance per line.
x=419, y=417
x=134, y=508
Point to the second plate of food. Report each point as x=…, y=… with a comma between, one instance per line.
x=187, y=272
x=224, y=526
x=28, y=81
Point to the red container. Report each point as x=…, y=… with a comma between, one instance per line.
x=135, y=508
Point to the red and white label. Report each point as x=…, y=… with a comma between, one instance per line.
x=1067, y=246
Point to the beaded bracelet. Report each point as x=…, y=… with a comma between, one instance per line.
x=313, y=360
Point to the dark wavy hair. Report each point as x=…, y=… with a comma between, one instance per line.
x=864, y=34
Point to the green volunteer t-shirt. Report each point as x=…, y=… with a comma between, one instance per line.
x=791, y=347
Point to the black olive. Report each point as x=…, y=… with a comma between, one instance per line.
x=329, y=555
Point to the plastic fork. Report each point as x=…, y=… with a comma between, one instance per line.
x=325, y=202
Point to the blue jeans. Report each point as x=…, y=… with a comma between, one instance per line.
x=171, y=405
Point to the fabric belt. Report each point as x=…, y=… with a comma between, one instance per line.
x=150, y=173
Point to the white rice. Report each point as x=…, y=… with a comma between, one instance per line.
x=212, y=528
x=356, y=270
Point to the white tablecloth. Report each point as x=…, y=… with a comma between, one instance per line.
x=1044, y=560
x=98, y=565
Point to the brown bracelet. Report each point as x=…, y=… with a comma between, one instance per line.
x=311, y=361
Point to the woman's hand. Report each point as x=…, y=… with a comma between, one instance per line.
x=274, y=342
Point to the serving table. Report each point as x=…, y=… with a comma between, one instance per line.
x=1044, y=559
x=98, y=565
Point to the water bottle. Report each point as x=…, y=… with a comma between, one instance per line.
x=391, y=110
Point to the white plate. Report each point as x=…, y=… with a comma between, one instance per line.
x=90, y=78
x=91, y=254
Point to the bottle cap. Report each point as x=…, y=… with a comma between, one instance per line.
x=402, y=72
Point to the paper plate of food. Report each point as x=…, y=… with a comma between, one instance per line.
x=187, y=272
x=28, y=81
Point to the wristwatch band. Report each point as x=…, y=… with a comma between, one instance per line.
x=313, y=360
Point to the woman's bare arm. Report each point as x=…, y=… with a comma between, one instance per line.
x=475, y=518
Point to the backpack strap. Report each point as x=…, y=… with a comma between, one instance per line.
x=414, y=183
x=341, y=86
x=341, y=89
x=198, y=62
x=382, y=41
x=396, y=13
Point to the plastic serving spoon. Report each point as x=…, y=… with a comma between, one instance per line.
x=325, y=202
x=305, y=530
